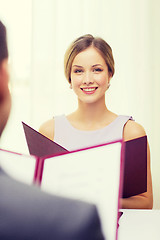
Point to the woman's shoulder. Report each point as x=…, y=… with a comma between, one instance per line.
x=133, y=130
x=47, y=128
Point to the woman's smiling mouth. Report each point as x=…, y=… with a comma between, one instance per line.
x=89, y=90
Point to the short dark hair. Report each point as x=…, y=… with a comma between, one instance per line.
x=3, y=42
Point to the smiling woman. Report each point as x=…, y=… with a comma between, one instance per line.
x=89, y=67
x=90, y=76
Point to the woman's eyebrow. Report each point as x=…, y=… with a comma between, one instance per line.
x=95, y=65
x=77, y=66
x=98, y=64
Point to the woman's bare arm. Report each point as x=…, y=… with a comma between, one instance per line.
x=145, y=200
x=47, y=129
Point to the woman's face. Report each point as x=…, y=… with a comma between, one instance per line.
x=89, y=75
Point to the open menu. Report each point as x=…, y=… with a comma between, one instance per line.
x=98, y=174
x=134, y=159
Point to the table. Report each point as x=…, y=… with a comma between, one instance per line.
x=139, y=225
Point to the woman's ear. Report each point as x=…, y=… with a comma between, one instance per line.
x=70, y=85
x=109, y=79
x=109, y=84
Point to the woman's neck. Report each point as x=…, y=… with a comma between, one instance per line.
x=91, y=111
x=91, y=116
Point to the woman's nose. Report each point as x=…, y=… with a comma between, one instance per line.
x=88, y=78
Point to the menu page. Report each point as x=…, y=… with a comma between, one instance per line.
x=91, y=175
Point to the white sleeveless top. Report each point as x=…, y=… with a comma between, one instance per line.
x=72, y=139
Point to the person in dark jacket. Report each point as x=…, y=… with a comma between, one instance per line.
x=26, y=212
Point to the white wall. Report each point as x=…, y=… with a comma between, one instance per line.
x=132, y=30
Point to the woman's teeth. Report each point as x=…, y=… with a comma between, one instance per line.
x=89, y=89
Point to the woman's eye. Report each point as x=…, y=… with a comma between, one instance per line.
x=78, y=71
x=97, y=70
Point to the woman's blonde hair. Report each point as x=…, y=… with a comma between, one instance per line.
x=82, y=43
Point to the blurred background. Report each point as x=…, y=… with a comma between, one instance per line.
x=39, y=31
